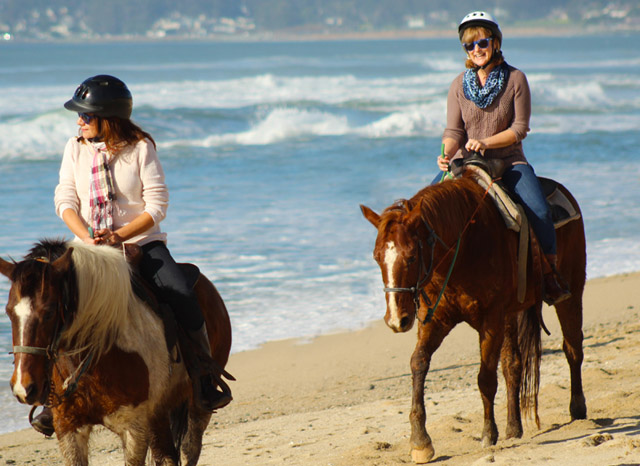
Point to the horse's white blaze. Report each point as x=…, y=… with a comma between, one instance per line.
x=390, y=258
x=22, y=311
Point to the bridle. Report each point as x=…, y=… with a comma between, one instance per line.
x=424, y=273
x=51, y=351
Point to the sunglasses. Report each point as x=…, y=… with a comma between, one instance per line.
x=482, y=43
x=86, y=117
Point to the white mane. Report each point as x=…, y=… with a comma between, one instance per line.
x=105, y=298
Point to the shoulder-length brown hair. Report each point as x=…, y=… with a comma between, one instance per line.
x=118, y=133
x=472, y=33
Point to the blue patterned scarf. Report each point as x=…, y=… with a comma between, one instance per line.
x=484, y=96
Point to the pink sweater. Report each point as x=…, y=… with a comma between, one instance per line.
x=510, y=110
x=138, y=182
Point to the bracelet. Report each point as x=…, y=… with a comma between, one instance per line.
x=90, y=232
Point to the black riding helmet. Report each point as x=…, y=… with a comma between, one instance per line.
x=102, y=95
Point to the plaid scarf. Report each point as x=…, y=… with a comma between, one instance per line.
x=101, y=191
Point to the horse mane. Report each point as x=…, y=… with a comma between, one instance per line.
x=447, y=207
x=105, y=298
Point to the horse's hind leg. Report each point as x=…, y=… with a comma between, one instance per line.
x=74, y=446
x=192, y=442
x=570, y=317
x=511, y=360
x=163, y=450
x=490, y=343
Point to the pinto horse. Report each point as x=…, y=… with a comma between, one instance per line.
x=87, y=346
x=446, y=257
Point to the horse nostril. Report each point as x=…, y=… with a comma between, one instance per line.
x=31, y=393
x=404, y=322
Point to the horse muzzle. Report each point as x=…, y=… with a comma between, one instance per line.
x=400, y=315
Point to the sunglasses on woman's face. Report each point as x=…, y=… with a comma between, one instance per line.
x=86, y=117
x=482, y=43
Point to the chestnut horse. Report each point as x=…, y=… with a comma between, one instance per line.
x=446, y=257
x=87, y=346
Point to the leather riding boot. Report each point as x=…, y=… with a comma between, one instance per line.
x=555, y=290
x=43, y=422
x=210, y=391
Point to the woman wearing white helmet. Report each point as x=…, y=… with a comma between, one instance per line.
x=488, y=111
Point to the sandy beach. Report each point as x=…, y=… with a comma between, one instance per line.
x=344, y=399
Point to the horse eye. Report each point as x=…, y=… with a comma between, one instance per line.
x=411, y=260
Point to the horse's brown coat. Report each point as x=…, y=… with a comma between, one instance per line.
x=482, y=292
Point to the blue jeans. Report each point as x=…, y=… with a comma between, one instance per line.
x=159, y=268
x=523, y=184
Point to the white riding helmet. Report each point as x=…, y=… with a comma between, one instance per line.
x=482, y=19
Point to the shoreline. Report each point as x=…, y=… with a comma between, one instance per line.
x=344, y=399
x=560, y=30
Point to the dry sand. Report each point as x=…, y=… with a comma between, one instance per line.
x=344, y=399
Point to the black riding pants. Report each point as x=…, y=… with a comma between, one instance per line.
x=158, y=267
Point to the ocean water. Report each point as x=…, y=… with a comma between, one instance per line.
x=269, y=148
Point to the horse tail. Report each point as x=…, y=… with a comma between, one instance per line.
x=530, y=343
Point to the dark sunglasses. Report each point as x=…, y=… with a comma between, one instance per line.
x=86, y=117
x=482, y=43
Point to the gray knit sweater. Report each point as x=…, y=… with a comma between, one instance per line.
x=511, y=110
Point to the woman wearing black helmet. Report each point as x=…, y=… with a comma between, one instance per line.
x=488, y=111
x=111, y=191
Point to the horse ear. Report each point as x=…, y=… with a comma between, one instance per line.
x=63, y=263
x=370, y=215
x=6, y=268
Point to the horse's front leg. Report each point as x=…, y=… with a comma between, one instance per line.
x=135, y=442
x=491, y=339
x=74, y=446
x=429, y=338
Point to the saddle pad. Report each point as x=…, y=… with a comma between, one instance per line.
x=562, y=210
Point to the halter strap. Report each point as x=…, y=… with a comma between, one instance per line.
x=32, y=350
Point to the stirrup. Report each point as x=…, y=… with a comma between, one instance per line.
x=43, y=422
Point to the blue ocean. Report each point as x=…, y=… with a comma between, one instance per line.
x=269, y=148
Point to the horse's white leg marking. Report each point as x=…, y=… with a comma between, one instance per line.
x=22, y=312
x=390, y=258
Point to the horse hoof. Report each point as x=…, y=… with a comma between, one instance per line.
x=422, y=455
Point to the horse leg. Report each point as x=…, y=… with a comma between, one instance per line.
x=490, y=343
x=163, y=450
x=135, y=443
x=74, y=446
x=192, y=442
x=511, y=361
x=570, y=316
x=430, y=337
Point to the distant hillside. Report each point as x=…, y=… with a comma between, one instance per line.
x=63, y=19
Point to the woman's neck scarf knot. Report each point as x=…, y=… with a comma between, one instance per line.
x=484, y=96
x=102, y=193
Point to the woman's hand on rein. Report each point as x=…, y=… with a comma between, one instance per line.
x=475, y=145
x=108, y=237
x=443, y=163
